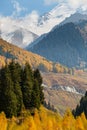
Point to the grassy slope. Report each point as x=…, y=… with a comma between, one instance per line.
x=62, y=99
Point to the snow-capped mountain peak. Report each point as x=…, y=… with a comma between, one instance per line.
x=54, y=17
x=35, y=26
x=19, y=37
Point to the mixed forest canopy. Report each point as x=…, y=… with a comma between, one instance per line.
x=20, y=87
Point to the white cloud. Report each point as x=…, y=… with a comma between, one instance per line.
x=33, y=17
x=75, y=4
x=9, y=23
x=30, y=21
x=17, y=8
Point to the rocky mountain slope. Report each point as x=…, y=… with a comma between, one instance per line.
x=66, y=44
x=64, y=90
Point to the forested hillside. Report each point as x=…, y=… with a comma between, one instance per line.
x=9, y=51
x=21, y=99
x=66, y=44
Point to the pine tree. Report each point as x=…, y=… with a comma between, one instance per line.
x=8, y=100
x=37, y=76
x=19, y=86
x=35, y=97
x=15, y=70
x=27, y=84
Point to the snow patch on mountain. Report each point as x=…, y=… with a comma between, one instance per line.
x=35, y=24
x=71, y=89
x=75, y=18
x=19, y=37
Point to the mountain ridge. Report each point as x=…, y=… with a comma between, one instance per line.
x=65, y=43
x=39, y=25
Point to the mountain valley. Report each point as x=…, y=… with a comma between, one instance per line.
x=60, y=88
x=56, y=44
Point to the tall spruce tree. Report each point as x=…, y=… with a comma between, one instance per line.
x=19, y=86
x=27, y=84
x=37, y=76
x=35, y=97
x=15, y=70
x=8, y=100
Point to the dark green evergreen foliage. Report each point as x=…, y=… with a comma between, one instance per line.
x=82, y=107
x=35, y=97
x=37, y=76
x=15, y=70
x=64, y=44
x=8, y=101
x=19, y=87
x=27, y=84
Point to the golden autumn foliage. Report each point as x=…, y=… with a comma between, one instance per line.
x=9, y=51
x=44, y=120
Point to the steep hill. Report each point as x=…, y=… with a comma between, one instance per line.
x=66, y=44
x=9, y=51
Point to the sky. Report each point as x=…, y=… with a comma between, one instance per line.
x=26, y=14
x=19, y=8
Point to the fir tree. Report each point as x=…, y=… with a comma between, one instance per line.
x=19, y=86
x=35, y=98
x=8, y=100
x=15, y=70
x=27, y=84
x=37, y=76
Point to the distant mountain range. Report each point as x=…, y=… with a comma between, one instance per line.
x=23, y=31
x=66, y=44
x=19, y=36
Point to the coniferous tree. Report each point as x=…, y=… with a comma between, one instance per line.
x=82, y=107
x=27, y=84
x=35, y=97
x=37, y=76
x=8, y=100
x=15, y=70
x=19, y=86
